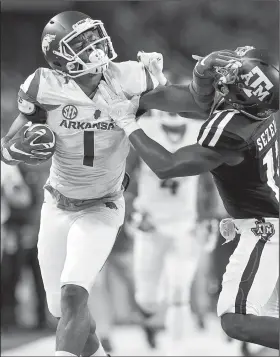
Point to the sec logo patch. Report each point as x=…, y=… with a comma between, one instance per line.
x=70, y=112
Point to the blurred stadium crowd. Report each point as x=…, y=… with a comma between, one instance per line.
x=177, y=29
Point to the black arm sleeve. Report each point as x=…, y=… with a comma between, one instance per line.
x=202, y=91
x=38, y=117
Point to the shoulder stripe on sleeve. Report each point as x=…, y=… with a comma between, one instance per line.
x=207, y=126
x=220, y=128
x=212, y=130
x=33, y=88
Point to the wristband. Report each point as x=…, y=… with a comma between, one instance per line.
x=130, y=128
x=161, y=79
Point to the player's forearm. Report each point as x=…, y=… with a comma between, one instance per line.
x=188, y=161
x=155, y=156
x=197, y=97
x=162, y=162
x=202, y=91
x=173, y=98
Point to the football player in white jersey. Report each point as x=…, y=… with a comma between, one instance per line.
x=165, y=250
x=84, y=207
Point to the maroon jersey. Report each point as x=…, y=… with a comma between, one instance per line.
x=251, y=188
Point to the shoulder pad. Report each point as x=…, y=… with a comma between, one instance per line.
x=37, y=91
x=226, y=129
x=29, y=90
x=132, y=75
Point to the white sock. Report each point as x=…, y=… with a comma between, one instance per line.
x=63, y=353
x=100, y=351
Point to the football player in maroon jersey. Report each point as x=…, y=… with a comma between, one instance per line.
x=238, y=145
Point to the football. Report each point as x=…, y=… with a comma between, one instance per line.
x=44, y=136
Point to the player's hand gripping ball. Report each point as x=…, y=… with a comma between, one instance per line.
x=42, y=143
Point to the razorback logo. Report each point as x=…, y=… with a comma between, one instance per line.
x=264, y=230
x=83, y=24
x=46, y=42
x=241, y=51
x=261, y=85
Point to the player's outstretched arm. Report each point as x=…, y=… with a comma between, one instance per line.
x=174, y=98
x=193, y=100
x=187, y=161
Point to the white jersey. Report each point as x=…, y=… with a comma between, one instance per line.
x=90, y=157
x=171, y=200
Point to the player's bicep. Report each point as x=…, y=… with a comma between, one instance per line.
x=198, y=159
x=216, y=138
x=28, y=102
x=18, y=123
x=192, y=160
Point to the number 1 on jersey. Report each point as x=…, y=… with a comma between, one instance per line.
x=88, y=148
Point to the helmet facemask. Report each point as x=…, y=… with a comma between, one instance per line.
x=94, y=57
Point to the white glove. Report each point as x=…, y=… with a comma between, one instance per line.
x=241, y=51
x=121, y=110
x=153, y=62
x=228, y=229
x=207, y=66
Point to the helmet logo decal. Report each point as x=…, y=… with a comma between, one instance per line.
x=83, y=25
x=241, y=51
x=70, y=112
x=259, y=91
x=46, y=42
